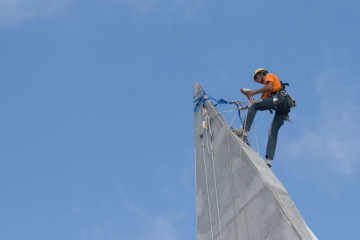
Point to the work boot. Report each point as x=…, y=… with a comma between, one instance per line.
x=240, y=134
x=237, y=132
x=268, y=162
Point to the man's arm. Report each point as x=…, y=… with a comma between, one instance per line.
x=269, y=85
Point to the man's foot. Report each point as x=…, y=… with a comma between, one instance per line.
x=268, y=161
x=240, y=134
x=237, y=132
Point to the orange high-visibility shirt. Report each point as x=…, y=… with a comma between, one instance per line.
x=270, y=77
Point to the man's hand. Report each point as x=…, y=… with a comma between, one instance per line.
x=244, y=90
x=248, y=92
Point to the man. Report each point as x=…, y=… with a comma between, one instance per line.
x=273, y=97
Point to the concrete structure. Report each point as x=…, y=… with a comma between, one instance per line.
x=237, y=196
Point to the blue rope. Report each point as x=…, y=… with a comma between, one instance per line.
x=220, y=101
x=241, y=121
x=199, y=100
x=202, y=100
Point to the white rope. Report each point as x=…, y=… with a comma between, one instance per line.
x=211, y=152
x=240, y=107
x=207, y=188
x=209, y=141
x=207, y=119
x=248, y=137
x=216, y=194
x=243, y=184
x=232, y=121
x=232, y=184
x=210, y=148
x=220, y=113
x=257, y=145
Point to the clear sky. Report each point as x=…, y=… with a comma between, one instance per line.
x=96, y=104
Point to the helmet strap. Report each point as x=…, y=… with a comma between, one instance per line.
x=263, y=74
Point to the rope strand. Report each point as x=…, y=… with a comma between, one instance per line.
x=232, y=184
x=207, y=119
x=257, y=145
x=243, y=184
x=210, y=149
x=207, y=188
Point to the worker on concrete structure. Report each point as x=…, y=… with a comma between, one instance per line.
x=273, y=97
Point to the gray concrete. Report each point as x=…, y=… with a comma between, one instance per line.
x=251, y=202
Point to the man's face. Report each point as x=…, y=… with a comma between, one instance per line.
x=258, y=78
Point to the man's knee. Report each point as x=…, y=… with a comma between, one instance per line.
x=274, y=129
x=253, y=104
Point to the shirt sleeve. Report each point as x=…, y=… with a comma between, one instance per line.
x=270, y=78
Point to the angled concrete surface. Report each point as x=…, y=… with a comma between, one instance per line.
x=247, y=199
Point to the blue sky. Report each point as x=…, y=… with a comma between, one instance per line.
x=97, y=115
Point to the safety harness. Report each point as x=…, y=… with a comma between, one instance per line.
x=280, y=97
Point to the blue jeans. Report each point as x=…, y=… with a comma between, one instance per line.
x=267, y=104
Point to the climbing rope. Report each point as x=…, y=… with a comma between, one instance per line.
x=257, y=145
x=232, y=183
x=239, y=108
x=207, y=186
x=210, y=149
x=243, y=185
x=208, y=136
x=208, y=128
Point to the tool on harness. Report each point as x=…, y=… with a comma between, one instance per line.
x=278, y=103
x=291, y=101
x=280, y=97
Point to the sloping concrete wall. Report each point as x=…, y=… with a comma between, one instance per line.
x=250, y=202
